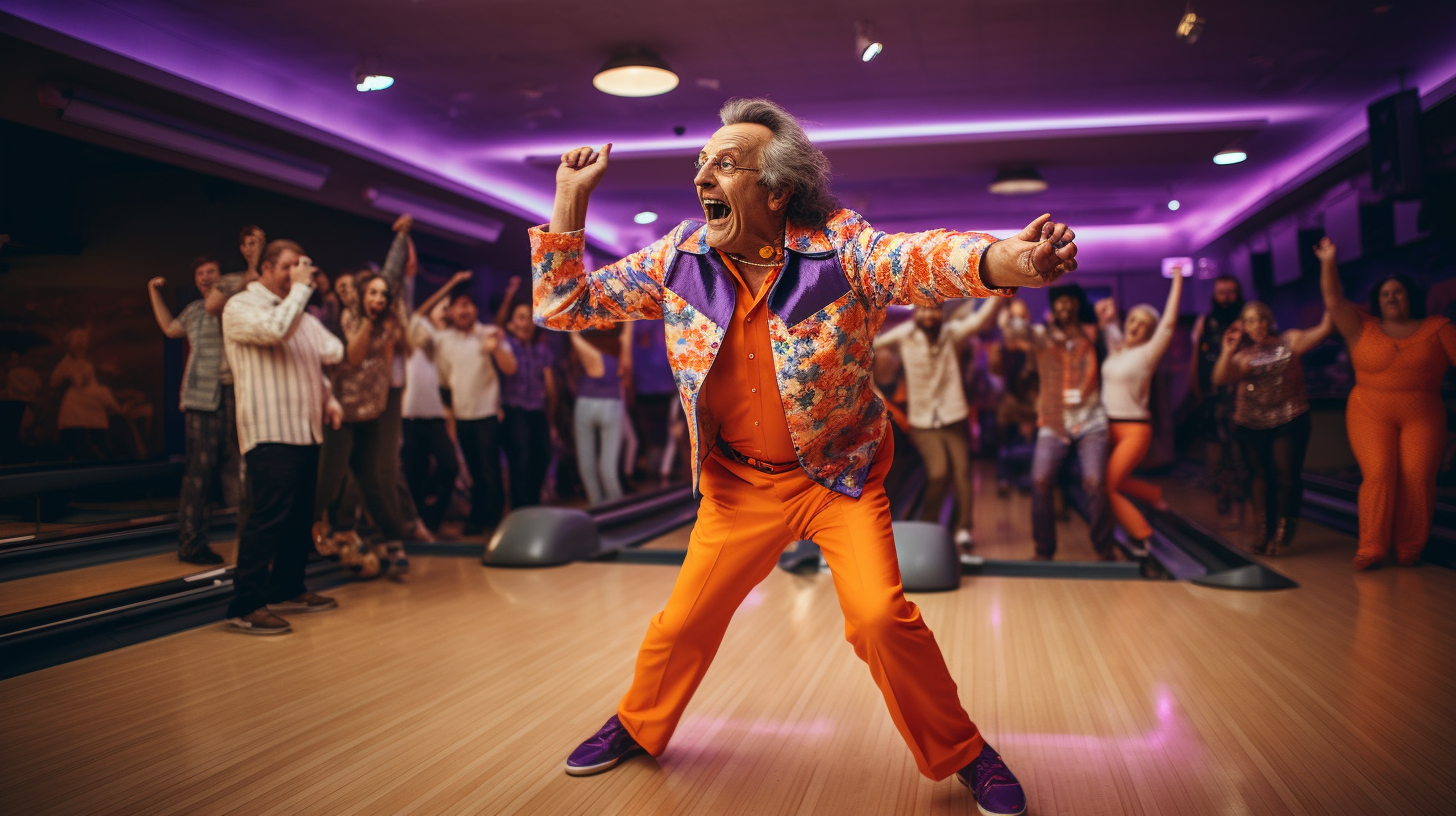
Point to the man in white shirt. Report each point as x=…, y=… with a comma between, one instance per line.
x=468, y=355
x=277, y=352
x=929, y=348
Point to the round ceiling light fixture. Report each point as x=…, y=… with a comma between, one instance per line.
x=1017, y=181
x=637, y=72
x=865, y=44
x=1173, y=204
x=1229, y=156
x=645, y=217
x=369, y=77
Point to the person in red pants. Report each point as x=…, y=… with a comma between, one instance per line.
x=1395, y=417
x=770, y=310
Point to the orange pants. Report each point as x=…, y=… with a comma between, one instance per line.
x=1130, y=443
x=1398, y=438
x=745, y=521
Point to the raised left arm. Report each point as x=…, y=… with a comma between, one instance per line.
x=965, y=323
x=1302, y=341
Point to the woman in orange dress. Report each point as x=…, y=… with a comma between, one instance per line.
x=1395, y=417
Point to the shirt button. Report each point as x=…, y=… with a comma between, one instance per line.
x=755, y=423
x=753, y=390
x=750, y=355
x=747, y=320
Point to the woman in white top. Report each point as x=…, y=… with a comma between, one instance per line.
x=1127, y=374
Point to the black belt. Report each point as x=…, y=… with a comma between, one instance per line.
x=757, y=464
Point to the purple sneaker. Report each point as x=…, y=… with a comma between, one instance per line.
x=993, y=785
x=603, y=751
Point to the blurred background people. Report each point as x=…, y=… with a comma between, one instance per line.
x=1214, y=404
x=1271, y=414
x=209, y=415
x=428, y=454
x=1395, y=416
x=472, y=357
x=1127, y=375
x=929, y=348
x=598, y=410
x=528, y=397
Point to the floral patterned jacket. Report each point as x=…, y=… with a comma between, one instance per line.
x=824, y=311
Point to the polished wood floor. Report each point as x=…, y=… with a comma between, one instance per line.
x=462, y=691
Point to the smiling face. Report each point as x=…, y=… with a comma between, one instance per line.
x=344, y=289
x=462, y=313
x=742, y=214
x=929, y=318
x=1257, y=324
x=1065, y=310
x=1138, y=327
x=1394, y=302
x=376, y=298
x=205, y=275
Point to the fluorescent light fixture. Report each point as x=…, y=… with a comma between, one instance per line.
x=441, y=216
x=1176, y=265
x=645, y=217
x=1017, y=181
x=373, y=82
x=635, y=73
x=1229, y=156
x=155, y=129
x=865, y=44
x=1173, y=204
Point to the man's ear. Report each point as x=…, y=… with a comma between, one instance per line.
x=779, y=199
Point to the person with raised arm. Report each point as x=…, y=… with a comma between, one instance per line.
x=929, y=349
x=428, y=454
x=209, y=412
x=1271, y=416
x=771, y=306
x=1395, y=416
x=1127, y=376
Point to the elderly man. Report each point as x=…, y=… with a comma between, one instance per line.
x=770, y=310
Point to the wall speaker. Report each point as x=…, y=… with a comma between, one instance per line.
x=1395, y=145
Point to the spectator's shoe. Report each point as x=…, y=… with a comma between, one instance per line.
x=1139, y=547
x=1283, y=535
x=204, y=557
x=993, y=785
x=307, y=602
x=603, y=751
x=260, y=622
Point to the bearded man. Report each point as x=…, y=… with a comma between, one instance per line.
x=770, y=311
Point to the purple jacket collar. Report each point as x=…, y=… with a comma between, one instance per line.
x=812, y=278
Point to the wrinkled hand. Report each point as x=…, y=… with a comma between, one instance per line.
x=581, y=170
x=1106, y=311
x=157, y=283
x=403, y=223
x=1325, y=250
x=1034, y=257
x=334, y=413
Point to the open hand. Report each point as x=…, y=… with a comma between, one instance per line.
x=581, y=170
x=1325, y=250
x=459, y=278
x=1106, y=311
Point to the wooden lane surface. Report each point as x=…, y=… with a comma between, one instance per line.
x=462, y=691
x=99, y=579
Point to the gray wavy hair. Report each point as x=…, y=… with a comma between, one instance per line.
x=789, y=161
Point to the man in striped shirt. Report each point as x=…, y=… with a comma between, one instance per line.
x=277, y=351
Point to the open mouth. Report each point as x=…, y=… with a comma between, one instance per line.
x=716, y=210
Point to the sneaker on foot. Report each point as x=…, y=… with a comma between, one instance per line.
x=205, y=557
x=994, y=787
x=260, y=622
x=603, y=751
x=307, y=602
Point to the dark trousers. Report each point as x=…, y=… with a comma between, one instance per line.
x=426, y=441
x=212, y=462
x=1047, y=461
x=358, y=448
x=480, y=442
x=275, y=541
x=527, y=440
x=650, y=420
x=1275, y=459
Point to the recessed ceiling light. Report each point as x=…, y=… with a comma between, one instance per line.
x=1229, y=156
x=1173, y=204
x=635, y=73
x=1017, y=181
x=645, y=217
x=373, y=82
x=865, y=44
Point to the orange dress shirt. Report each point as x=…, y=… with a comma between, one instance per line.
x=742, y=391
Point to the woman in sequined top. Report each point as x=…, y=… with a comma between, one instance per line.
x=1271, y=416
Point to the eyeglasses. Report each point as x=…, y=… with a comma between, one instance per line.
x=723, y=164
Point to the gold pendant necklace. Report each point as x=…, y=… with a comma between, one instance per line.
x=744, y=260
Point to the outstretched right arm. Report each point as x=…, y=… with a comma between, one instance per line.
x=1345, y=313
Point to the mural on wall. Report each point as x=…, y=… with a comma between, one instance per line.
x=81, y=377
